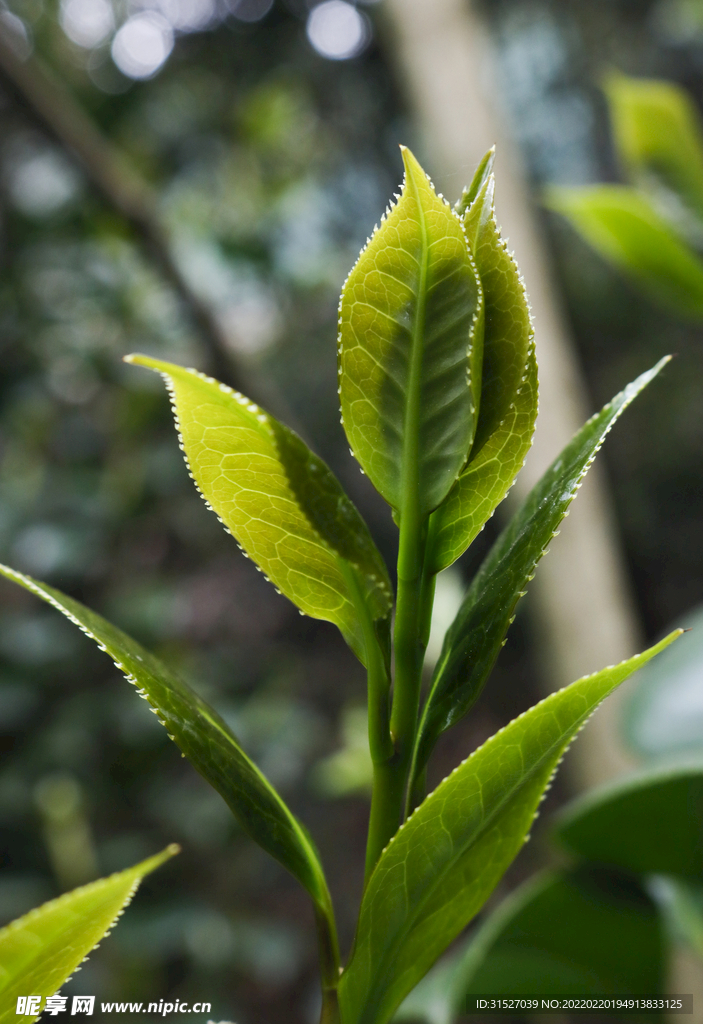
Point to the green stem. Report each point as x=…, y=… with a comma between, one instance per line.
x=383, y=819
x=417, y=781
x=409, y=652
x=383, y=800
x=328, y=948
x=330, y=1007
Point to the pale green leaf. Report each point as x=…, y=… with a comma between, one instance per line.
x=205, y=739
x=657, y=133
x=281, y=503
x=650, y=821
x=474, y=639
x=681, y=904
x=664, y=713
x=481, y=175
x=509, y=386
x=443, y=863
x=625, y=229
x=410, y=348
x=41, y=950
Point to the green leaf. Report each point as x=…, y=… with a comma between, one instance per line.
x=487, y=479
x=410, y=348
x=434, y=1000
x=664, y=713
x=509, y=388
x=481, y=175
x=623, y=227
x=473, y=641
x=681, y=904
x=443, y=863
x=651, y=821
x=282, y=504
x=41, y=950
x=657, y=133
x=508, y=332
x=205, y=739
x=580, y=932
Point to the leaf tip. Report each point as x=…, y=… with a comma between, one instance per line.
x=137, y=359
x=413, y=168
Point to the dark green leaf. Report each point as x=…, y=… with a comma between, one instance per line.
x=508, y=392
x=41, y=950
x=657, y=133
x=624, y=228
x=582, y=932
x=205, y=739
x=651, y=821
x=473, y=641
x=282, y=504
x=443, y=863
x=410, y=348
x=587, y=931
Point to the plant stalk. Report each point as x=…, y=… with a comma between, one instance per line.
x=410, y=630
x=380, y=745
x=330, y=1007
x=328, y=949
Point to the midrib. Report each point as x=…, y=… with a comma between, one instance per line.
x=410, y=474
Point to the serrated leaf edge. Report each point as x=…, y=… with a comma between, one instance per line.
x=264, y=419
x=608, y=668
x=170, y=851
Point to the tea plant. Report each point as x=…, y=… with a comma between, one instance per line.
x=650, y=229
x=438, y=389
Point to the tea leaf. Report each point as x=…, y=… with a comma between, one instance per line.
x=508, y=333
x=486, y=480
x=575, y=932
x=41, y=950
x=622, y=226
x=650, y=822
x=474, y=639
x=657, y=132
x=483, y=172
x=281, y=503
x=579, y=932
x=508, y=395
x=410, y=348
x=204, y=738
x=443, y=863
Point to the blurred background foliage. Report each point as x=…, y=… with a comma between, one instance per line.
x=268, y=129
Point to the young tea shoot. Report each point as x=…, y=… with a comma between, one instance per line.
x=438, y=391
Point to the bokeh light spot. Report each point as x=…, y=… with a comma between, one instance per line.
x=188, y=15
x=250, y=10
x=337, y=30
x=142, y=45
x=87, y=23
